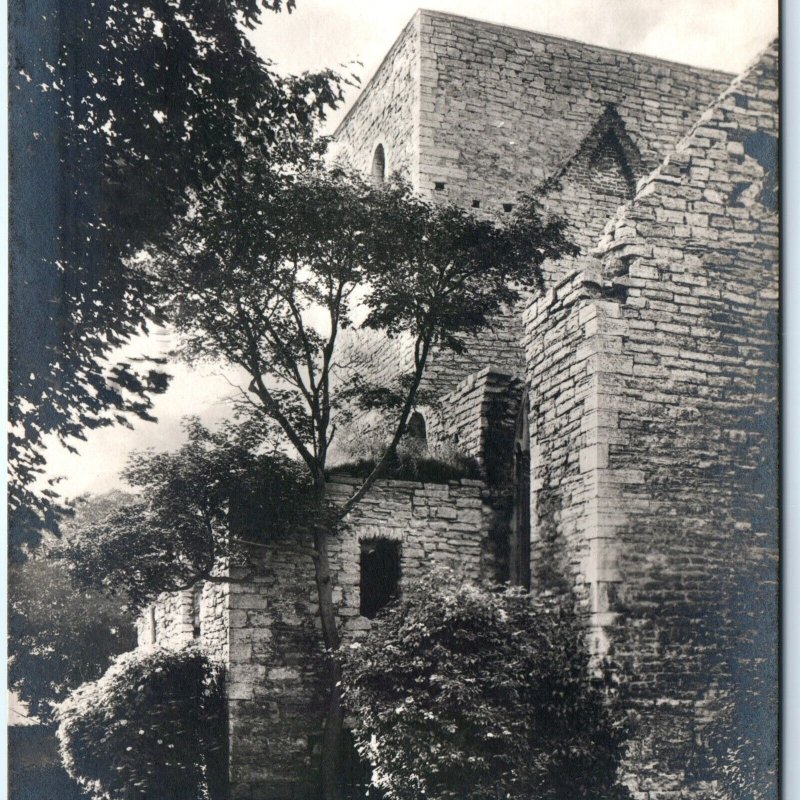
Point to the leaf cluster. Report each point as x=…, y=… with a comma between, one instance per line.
x=201, y=506
x=135, y=106
x=444, y=271
x=152, y=726
x=61, y=634
x=268, y=269
x=459, y=692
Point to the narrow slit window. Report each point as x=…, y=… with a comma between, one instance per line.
x=476, y=203
x=380, y=575
x=439, y=186
x=379, y=165
x=197, y=596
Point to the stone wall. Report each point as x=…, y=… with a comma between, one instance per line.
x=654, y=395
x=477, y=420
x=573, y=520
x=275, y=680
x=502, y=107
x=476, y=113
x=171, y=620
x=387, y=112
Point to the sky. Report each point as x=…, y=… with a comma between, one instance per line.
x=721, y=34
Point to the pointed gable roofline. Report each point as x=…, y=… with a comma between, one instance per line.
x=609, y=123
x=621, y=238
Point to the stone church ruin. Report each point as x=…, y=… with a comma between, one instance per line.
x=624, y=421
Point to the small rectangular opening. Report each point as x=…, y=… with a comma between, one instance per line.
x=197, y=599
x=380, y=575
x=508, y=206
x=439, y=186
x=476, y=203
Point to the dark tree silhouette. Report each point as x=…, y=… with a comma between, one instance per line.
x=60, y=632
x=119, y=112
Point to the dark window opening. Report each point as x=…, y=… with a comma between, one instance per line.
x=508, y=206
x=416, y=427
x=439, y=186
x=476, y=203
x=380, y=575
x=519, y=556
x=379, y=165
x=197, y=596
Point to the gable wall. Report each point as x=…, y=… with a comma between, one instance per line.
x=677, y=445
x=387, y=113
x=503, y=107
x=494, y=111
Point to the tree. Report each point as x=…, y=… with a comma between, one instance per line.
x=152, y=726
x=267, y=271
x=121, y=111
x=462, y=693
x=62, y=634
x=201, y=506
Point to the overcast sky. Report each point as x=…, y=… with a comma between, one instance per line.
x=723, y=34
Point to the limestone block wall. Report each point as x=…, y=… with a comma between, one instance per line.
x=476, y=113
x=170, y=621
x=275, y=665
x=660, y=456
x=387, y=112
x=382, y=360
x=477, y=419
x=567, y=340
x=502, y=107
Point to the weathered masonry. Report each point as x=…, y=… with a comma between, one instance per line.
x=624, y=421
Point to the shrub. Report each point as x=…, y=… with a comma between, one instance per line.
x=412, y=467
x=152, y=727
x=458, y=692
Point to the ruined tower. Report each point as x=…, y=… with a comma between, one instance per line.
x=629, y=412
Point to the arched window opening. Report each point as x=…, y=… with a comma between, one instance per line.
x=379, y=165
x=416, y=428
x=520, y=544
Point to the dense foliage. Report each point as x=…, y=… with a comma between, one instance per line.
x=269, y=270
x=61, y=633
x=121, y=111
x=463, y=693
x=152, y=726
x=199, y=506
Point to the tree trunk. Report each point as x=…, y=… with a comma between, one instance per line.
x=332, y=732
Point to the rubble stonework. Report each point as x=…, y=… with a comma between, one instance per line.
x=654, y=425
x=495, y=112
x=273, y=649
x=649, y=369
